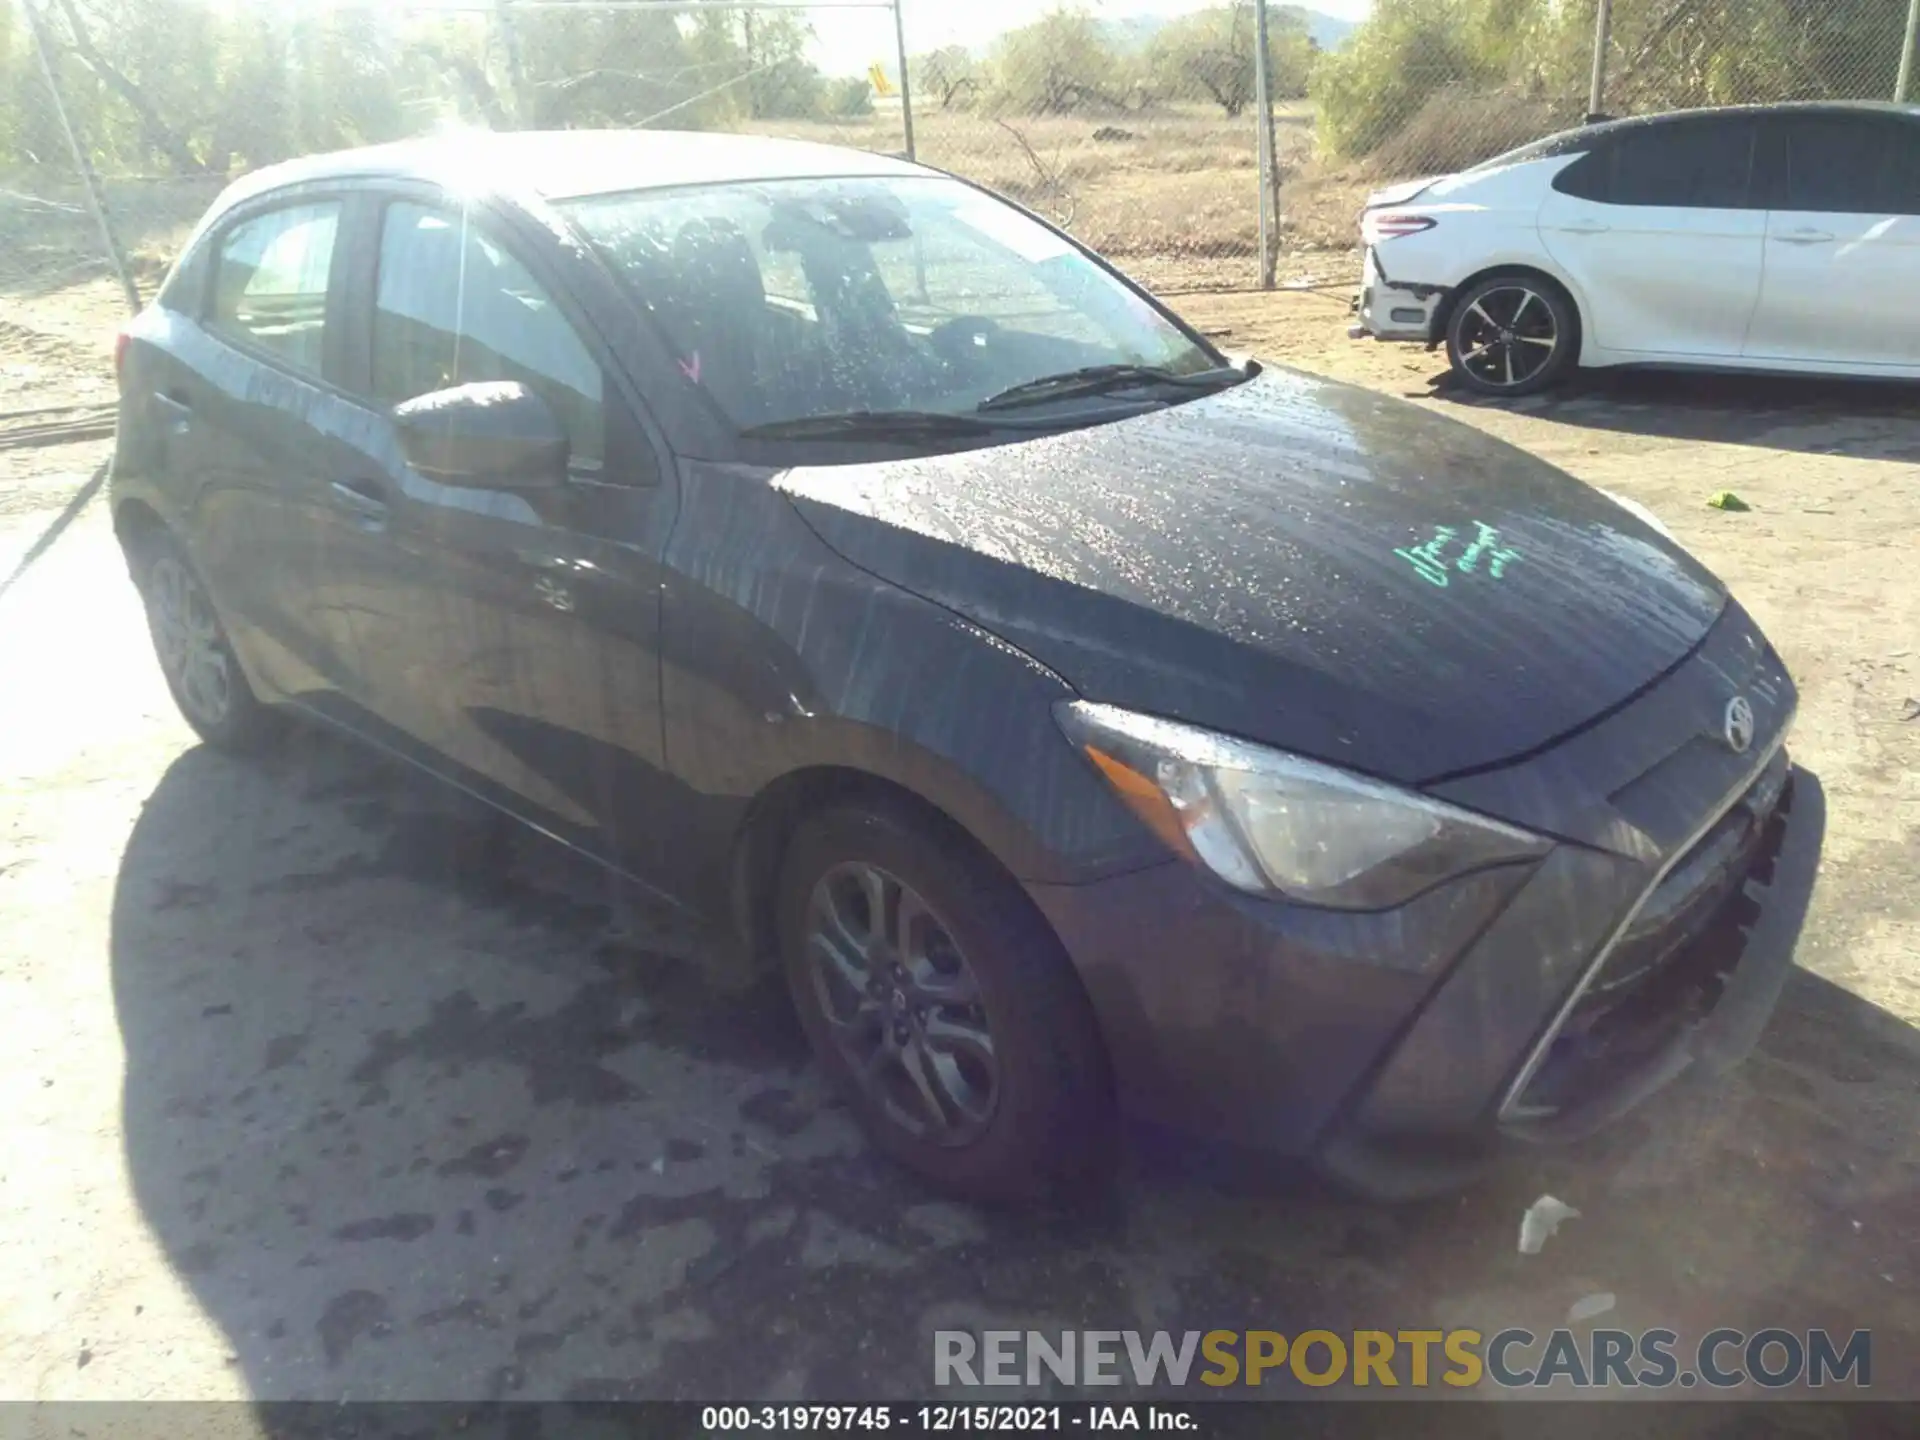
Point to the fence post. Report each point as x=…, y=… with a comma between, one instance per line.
x=1602, y=36
x=1902, y=87
x=516, y=72
x=906, y=81
x=96, y=202
x=1269, y=161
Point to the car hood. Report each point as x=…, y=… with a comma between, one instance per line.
x=1294, y=561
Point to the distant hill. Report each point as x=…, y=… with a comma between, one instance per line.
x=1135, y=32
x=1329, y=32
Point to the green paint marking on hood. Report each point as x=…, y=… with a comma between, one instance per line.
x=1430, y=560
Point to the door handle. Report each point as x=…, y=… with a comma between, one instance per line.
x=1804, y=237
x=355, y=497
x=175, y=407
x=1585, y=227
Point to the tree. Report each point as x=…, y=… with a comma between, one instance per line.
x=1210, y=53
x=146, y=33
x=349, y=80
x=1669, y=54
x=950, y=75
x=255, y=119
x=850, y=98
x=1059, y=63
x=1406, y=52
x=618, y=68
x=781, y=82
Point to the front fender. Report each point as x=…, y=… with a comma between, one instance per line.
x=780, y=657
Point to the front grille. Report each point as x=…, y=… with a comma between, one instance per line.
x=1685, y=901
x=1665, y=970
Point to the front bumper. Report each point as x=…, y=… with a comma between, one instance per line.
x=1393, y=309
x=1693, y=1019
x=1403, y=1050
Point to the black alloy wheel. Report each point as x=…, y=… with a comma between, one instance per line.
x=1512, y=335
x=939, y=1000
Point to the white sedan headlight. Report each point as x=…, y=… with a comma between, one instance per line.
x=1270, y=823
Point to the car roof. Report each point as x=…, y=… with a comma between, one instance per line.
x=567, y=164
x=1584, y=137
x=1614, y=125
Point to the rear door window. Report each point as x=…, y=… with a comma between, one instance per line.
x=452, y=307
x=1690, y=164
x=270, y=283
x=1903, y=172
x=1835, y=164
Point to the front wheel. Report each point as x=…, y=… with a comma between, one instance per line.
x=1513, y=335
x=939, y=1001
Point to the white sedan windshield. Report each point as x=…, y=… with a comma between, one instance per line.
x=798, y=298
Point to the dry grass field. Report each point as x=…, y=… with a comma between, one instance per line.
x=1171, y=193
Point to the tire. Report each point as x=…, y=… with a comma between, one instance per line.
x=1033, y=1122
x=1513, y=335
x=194, y=651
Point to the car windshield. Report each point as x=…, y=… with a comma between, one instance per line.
x=793, y=300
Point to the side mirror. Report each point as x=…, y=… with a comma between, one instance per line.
x=495, y=436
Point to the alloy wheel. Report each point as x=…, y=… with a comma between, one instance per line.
x=902, y=1004
x=187, y=638
x=1507, y=335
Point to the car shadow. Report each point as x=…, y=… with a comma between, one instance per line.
x=1865, y=419
x=412, y=1121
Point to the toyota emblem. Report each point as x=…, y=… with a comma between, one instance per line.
x=1738, y=725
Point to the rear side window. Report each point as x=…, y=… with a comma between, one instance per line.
x=1564, y=142
x=453, y=308
x=1590, y=177
x=270, y=282
x=1694, y=165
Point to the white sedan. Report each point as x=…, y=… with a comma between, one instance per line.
x=1782, y=238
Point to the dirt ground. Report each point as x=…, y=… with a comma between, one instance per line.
x=298, y=1101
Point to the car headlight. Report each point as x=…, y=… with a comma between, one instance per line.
x=1270, y=823
x=1639, y=512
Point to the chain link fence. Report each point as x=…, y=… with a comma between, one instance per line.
x=1665, y=55
x=1136, y=123
x=1140, y=134
x=1429, y=86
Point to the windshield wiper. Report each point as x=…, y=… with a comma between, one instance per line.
x=1104, y=379
x=872, y=425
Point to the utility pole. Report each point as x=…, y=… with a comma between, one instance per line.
x=906, y=80
x=753, y=66
x=1269, y=158
x=1602, y=37
x=516, y=71
x=82, y=162
x=1903, y=87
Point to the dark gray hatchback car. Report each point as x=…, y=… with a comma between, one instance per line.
x=1091, y=724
